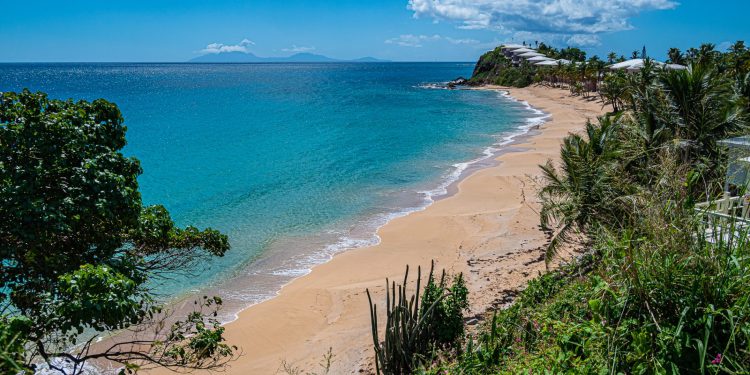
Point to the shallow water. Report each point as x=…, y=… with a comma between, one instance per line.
x=295, y=162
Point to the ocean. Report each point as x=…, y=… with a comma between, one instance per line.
x=295, y=162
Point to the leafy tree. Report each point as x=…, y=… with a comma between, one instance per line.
x=78, y=247
x=573, y=54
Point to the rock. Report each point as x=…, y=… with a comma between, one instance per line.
x=472, y=321
x=457, y=82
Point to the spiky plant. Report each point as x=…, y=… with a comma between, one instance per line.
x=414, y=331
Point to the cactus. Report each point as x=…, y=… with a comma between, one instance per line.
x=408, y=336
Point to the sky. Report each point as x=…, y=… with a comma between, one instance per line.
x=399, y=30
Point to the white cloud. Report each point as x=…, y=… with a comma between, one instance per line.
x=410, y=40
x=298, y=49
x=215, y=48
x=584, y=40
x=578, y=21
x=461, y=41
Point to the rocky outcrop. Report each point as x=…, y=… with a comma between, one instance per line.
x=460, y=81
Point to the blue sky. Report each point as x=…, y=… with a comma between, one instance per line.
x=404, y=30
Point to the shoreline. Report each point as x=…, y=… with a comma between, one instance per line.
x=446, y=187
x=488, y=230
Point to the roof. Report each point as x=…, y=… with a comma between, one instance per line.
x=626, y=64
x=637, y=64
x=539, y=58
x=742, y=141
x=675, y=66
x=521, y=50
x=531, y=54
x=547, y=63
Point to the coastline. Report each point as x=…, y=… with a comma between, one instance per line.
x=487, y=229
x=363, y=232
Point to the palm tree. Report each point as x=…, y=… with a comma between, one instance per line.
x=739, y=59
x=634, y=54
x=611, y=58
x=676, y=56
x=647, y=132
x=597, y=71
x=613, y=90
x=707, y=53
x=691, y=54
x=738, y=47
x=742, y=92
x=579, y=193
x=706, y=111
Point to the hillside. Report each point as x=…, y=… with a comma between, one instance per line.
x=495, y=69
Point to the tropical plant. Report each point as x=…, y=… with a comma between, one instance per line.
x=580, y=192
x=662, y=287
x=706, y=110
x=78, y=247
x=611, y=57
x=614, y=90
x=675, y=56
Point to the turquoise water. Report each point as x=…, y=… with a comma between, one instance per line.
x=293, y=161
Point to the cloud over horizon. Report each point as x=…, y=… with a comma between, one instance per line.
x=417, y=41
x=298, y=49
x=574, y=22
x=215, y=48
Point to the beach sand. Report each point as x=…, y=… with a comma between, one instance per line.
x=489, y=230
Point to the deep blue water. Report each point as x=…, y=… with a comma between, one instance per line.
x=293, y=161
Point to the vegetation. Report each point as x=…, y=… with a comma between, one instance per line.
x=417, y=327
x=586, y=77
x=495, y=68
x=654, y=292
x=78, y=247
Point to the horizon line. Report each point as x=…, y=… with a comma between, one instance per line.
x=245, y=62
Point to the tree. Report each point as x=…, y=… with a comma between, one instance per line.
x=614, y=89
x=739, y=59
x=573, y=54
x=706, y=54
x=580, y=192
x=706, y=110
x=611, y=58
x=78, y=246
x=676, y=56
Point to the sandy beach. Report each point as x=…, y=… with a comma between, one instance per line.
x=489, y=230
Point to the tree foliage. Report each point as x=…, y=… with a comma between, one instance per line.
x=78, y=246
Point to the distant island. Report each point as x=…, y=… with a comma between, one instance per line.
x=246, y=57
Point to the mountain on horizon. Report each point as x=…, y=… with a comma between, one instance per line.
x=247, y=57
